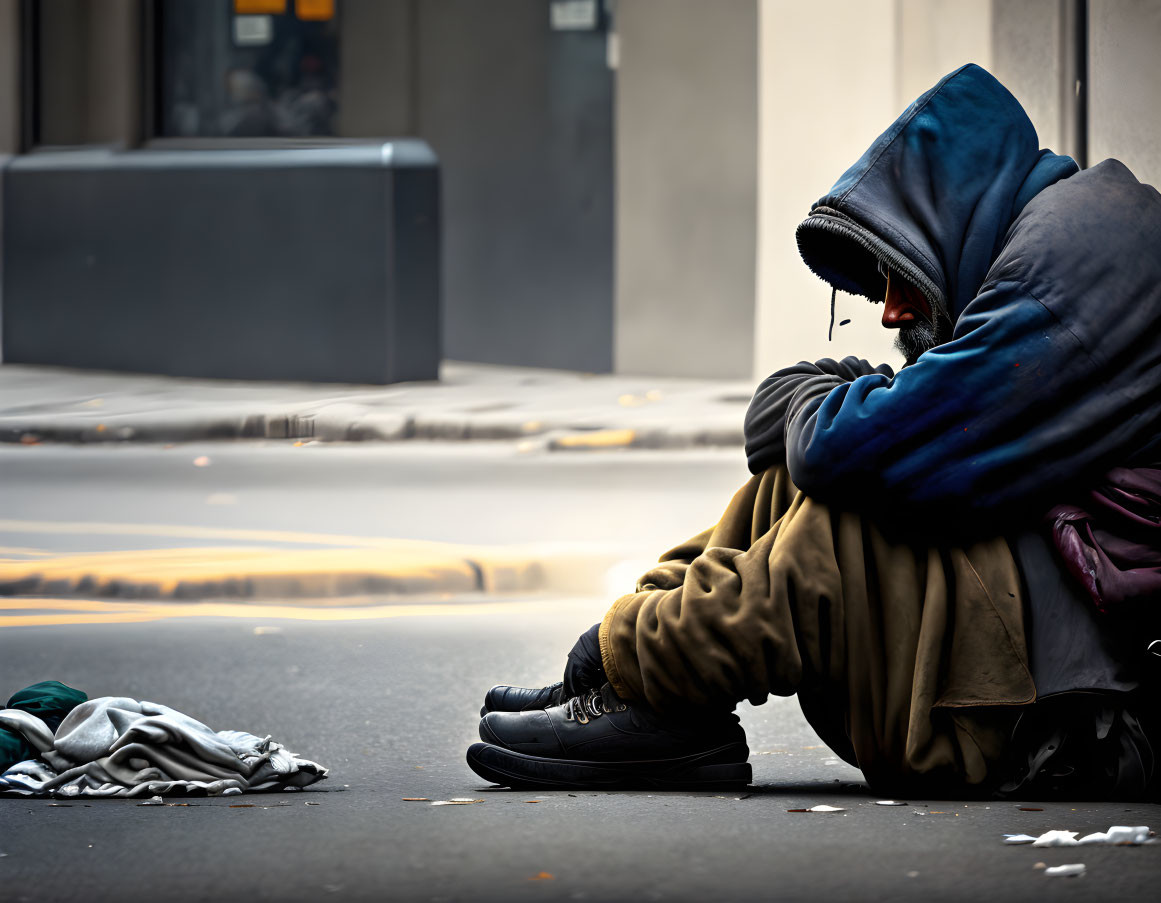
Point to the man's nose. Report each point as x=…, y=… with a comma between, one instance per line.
x=897, y=311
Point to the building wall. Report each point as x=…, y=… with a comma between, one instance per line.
x=1032, y=40
x=1030, y=50
x=816, y=119
x=686, y=198
x=1125, y=85
x=731, y=118
x=937, y=36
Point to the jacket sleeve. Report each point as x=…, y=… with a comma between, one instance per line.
x=1002, y=412
x=765, y=425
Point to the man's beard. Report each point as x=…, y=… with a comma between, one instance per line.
x=919, y=336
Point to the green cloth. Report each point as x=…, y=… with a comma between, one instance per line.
x=50, y=701
x=13, y=748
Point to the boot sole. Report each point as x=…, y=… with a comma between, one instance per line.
x=725, y=766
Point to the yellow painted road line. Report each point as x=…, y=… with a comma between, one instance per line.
x=59, y=620
x=598, y=439
x=126, y=614
x=266, y=573
x=344, y=566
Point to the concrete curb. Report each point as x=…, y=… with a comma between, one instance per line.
x=334, y=426
x=361, y=427
x=257, y=574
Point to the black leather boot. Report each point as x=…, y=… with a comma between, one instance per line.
x=502, y=698
x=598, y=740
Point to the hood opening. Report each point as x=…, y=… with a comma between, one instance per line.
x=841, y=252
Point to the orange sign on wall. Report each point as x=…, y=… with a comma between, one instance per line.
x=259, y=7
x=314, y=10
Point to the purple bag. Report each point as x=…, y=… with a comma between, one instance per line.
x=1110, y=538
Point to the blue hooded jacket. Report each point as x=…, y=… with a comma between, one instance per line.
x=1052, y=278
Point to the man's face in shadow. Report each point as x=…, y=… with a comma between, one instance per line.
x=906, y=309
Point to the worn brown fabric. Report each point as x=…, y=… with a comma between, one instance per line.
x=909, y=660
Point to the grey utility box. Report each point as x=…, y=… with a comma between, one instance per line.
x=317, y=264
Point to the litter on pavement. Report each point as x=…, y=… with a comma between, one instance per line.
x=1056, y=839
x=1117, y=834
x=1073, y=870
x=1120, y=835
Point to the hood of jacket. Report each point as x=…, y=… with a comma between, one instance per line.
x=934, y=196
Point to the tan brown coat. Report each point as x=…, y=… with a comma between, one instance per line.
x=909, y=660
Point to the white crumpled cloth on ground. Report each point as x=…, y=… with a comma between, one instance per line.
x=115, y=746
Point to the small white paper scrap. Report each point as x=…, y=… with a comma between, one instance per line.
x=1073, y=870
x=1056, y=839
x=1119, y=834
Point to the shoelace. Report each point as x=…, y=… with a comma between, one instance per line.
x=593, y=704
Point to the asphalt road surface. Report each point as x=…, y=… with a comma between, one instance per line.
x=451, y=492
x=391, y=704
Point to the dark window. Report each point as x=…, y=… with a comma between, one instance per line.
x=247, y=68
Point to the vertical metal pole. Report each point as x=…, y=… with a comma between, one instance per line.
x=1074, y=81
x=1080, y=49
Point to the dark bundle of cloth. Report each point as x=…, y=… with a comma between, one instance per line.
x=1110, y=541
x=50, y=701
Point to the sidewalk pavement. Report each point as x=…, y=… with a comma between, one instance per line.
x=556, y=410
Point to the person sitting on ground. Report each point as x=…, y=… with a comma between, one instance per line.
x=952, y=566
